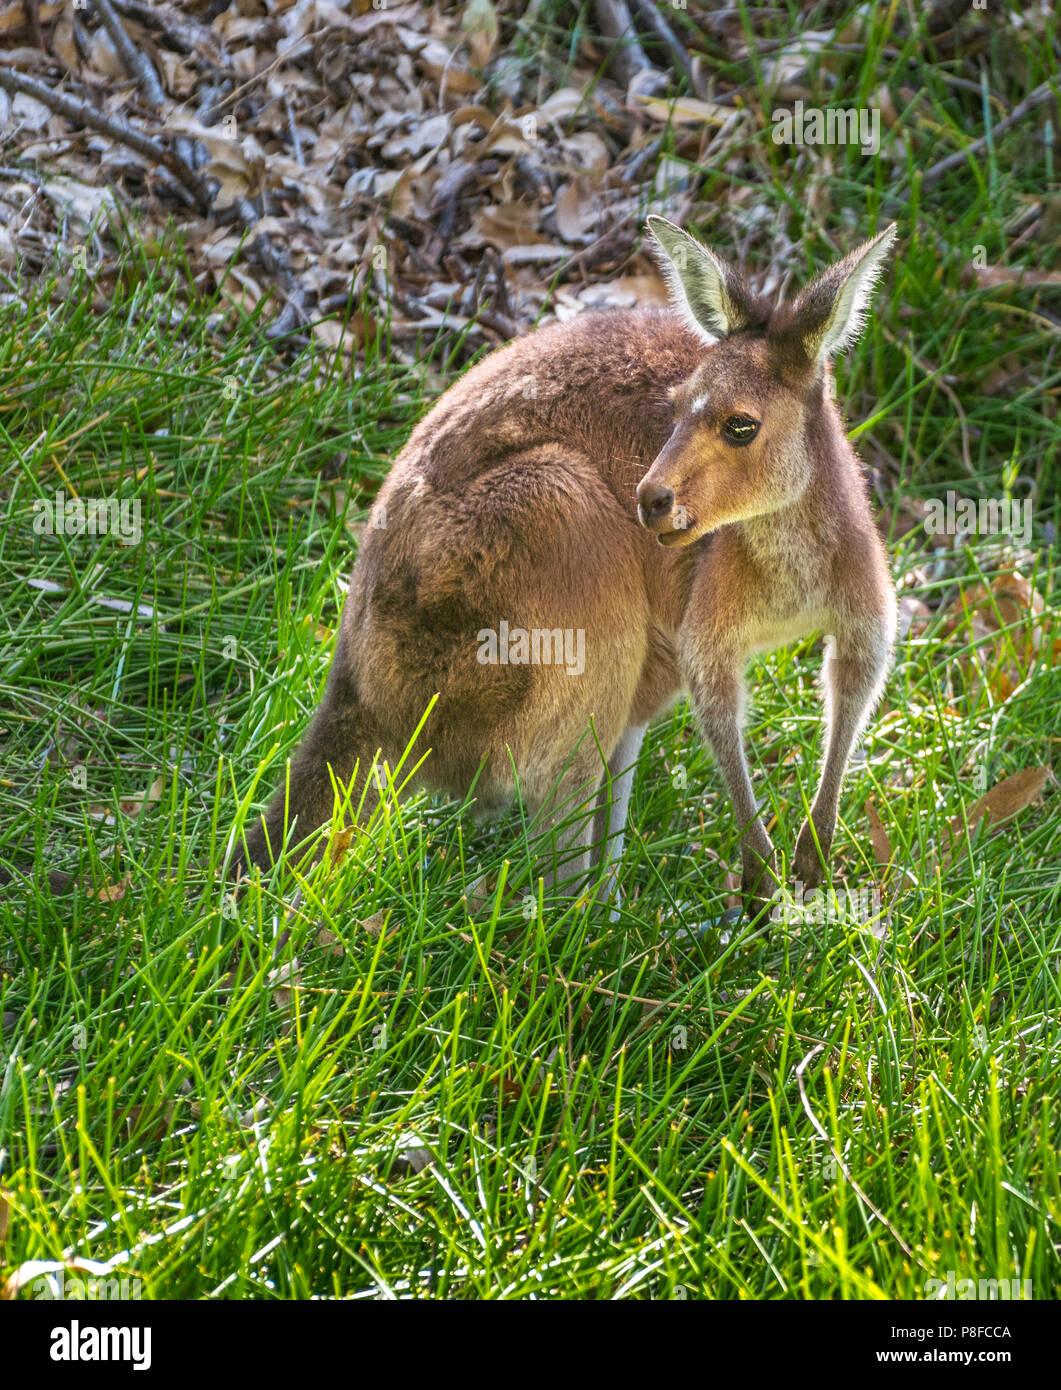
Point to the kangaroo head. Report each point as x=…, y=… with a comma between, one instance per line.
x=738, y=448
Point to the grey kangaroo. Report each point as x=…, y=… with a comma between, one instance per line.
x=675, y=489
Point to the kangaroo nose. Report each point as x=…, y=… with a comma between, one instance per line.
x=654, y=502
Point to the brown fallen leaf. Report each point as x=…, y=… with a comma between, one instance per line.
x=248, y=1119
x=914, y=616
x=626, y=292
x=479, y=22
x=878, y=836
x=134, y=805
x=329, y=942
x=283, y=981
x=577, y=211
x=64, y=45
x=1011, y=600
x=731, y=885
x=148, y=1122
x=504, y=226
x=114, y=892
x=1000, y=804
x=684, y=111
x=338, y=845
x=1007, y=623
x=412, y=1161
x=103, y=56
x=372, y=18
x=505, y=1084
x=376, y=923
x=129, y=805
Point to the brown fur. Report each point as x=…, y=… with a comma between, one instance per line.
x=517, y=499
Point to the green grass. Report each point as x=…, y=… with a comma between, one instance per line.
x=224, y=1104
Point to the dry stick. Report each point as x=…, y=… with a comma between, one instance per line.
x=617, y=25
x=659, y=27
x=135, y=63
x=32, y=9
x=296, y=142
x=1038, y=97
x=140, y=67
x=275, y=262
x=83, y=113
x=632, y=168
x=944, y=14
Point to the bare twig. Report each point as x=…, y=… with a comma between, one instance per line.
x=631, y=169
x=135, y=63
x=296, y=143
x=11, y=171
x=654, y=22
x=1042, y=94
x=32, y=10
x=81, y=112
x=140, y=67
x=944, y=14
x=632, y=67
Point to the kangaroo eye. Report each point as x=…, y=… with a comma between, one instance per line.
x=740, y=429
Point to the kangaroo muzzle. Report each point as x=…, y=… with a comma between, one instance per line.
x=658, y=512
x=655, y=502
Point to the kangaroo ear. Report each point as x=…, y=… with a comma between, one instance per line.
x=708, y=293
x=829, y=314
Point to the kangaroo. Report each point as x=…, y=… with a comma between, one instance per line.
x=676, y=489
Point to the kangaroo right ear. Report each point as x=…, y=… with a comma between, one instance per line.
x=829, y=314
x=708, y=293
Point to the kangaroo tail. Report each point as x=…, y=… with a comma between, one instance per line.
x=341, y=738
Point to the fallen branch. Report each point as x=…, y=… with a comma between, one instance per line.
x=944, y=14
x=632, y=66
x=81, y=112
x=135, y=63
x=654, y=22
x=1038, y=97
x=140, y=67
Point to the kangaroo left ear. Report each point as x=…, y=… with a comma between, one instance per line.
x=708, y=292
x=829, y=314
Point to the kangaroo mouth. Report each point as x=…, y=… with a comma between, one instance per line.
x=678, y=536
